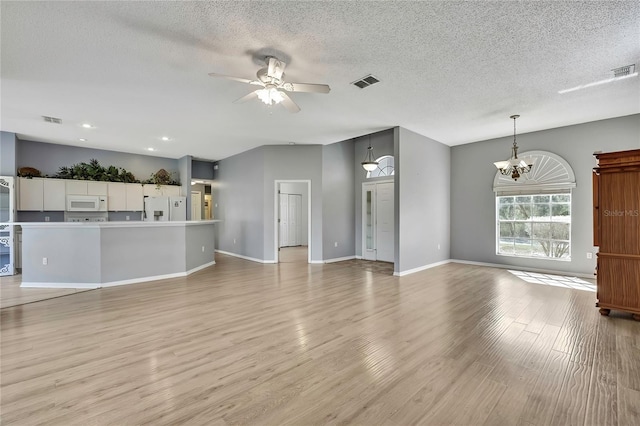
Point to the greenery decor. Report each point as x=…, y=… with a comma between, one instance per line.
x=94, y=171
x=162, y=177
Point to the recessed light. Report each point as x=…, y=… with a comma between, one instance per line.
x=165, y=138
x=87, y=126
x=151, y=149
x=83, y=140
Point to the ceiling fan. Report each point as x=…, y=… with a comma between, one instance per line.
x=274, y=88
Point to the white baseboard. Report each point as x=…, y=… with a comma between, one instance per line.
x=317, y=262
x=253, y=259
x=144, y=279
x=61, y=285
x=420, y=268
x=198, y=268
x=359, y=257
x=524, y=268
x=339, y=259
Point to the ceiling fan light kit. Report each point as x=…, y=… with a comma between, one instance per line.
x=274, y=87
x=515, y=166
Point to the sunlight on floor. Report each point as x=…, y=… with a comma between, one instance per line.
x=555, y=280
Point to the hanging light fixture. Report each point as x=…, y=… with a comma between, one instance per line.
x=369, y=163
x=514, y=166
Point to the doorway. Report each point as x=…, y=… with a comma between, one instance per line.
x=292, y=226
x=378, y=221
x=202, y=202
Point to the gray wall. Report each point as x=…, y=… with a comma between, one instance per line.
x=383, y=144
x=473, y=217
x=201, y=170
x=338, y=199
x=184, y=167
x=8, y=154
x=422, y=195
x=199, y=245
x=239, y=194
x=302, y=190
x=292, y=162
x=48, y=158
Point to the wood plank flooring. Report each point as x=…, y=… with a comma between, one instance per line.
x=11, y=294
x=246, y=343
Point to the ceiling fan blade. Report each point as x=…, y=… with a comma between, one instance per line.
x=306, y=87
x=245, y=98
x=240, y=79
x=289, y=104
x=276, y=68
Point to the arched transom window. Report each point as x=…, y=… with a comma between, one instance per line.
x=385, y=167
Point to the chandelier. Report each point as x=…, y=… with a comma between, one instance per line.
x=369, y=163
x=514, y=166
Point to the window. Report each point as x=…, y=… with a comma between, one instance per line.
x=385, y=167
x=535, y=225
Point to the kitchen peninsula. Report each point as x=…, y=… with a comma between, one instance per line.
x=103, y=254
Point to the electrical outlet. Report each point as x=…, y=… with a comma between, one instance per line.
x=234, y=241
x=438, y=246
x=589, y=255
x=203, y=249
x=45, y=261
x=46, y=218
x=127, y=218
x=335, y=244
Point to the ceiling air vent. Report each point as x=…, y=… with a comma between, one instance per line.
x=53, y=120
x=622, y=71
x=366, y=81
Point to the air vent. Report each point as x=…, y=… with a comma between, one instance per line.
x=366, y=81
x=622, y=71
x=52, y=120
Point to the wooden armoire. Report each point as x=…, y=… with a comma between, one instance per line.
x=616, y=230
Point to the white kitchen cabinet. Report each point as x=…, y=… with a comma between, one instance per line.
x=54, y=195
x=135, y=197
x=152, y=190
x=97, y=188
x=30, y=194
x=170, y=190
x=116, y=197
x=76, y=187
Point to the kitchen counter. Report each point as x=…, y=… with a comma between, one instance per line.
x=102, y=254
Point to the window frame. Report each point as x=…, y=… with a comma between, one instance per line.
x=551, y=241
x=379, y=159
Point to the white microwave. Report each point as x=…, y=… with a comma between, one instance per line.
x=86, y=203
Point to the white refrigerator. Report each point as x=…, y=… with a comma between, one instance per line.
x=162, y=209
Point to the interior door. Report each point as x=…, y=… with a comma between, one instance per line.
x=295, y=204
x=368, y=221
x=384, y=222
x=196, y=205
x=284, y=220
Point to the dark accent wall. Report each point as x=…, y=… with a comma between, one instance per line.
x=201, y=170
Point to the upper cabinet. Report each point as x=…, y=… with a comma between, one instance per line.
x=43, y=194
x=152, y=190
x=30, y=194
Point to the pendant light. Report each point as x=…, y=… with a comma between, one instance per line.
x=369, y=163
x=514, y=166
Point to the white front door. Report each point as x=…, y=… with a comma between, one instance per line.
x=369, y=221
x=290, y=220
x=384, y=222
x=284, y=220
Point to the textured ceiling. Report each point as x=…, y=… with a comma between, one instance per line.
x=452, y=71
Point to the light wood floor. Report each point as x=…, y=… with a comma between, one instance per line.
x=11, y=294
x=299, y=254
x=246, y=343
